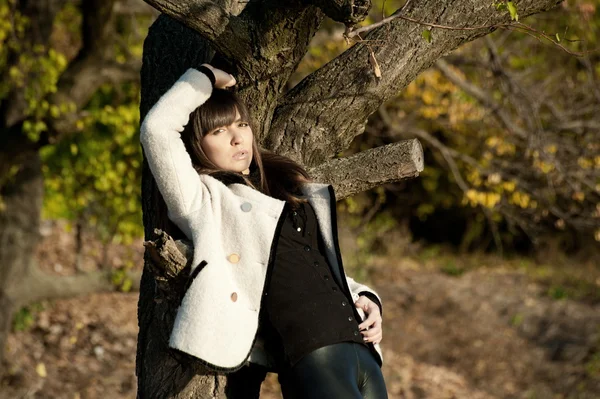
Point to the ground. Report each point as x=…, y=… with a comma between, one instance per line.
x=497, y=330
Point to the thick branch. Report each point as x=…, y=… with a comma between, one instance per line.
x=335, y=101
x=228, y=34
x=371, y=168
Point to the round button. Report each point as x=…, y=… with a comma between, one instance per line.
x=299, y=229
x=307, y=248
x=344, y=303
x=233, y=258
x=234, y=296
x=317, y=264
x=335, y=290
x=350, y=318
x=326, y=278
x=355, y=332
x=295, y=213
x=246, y=207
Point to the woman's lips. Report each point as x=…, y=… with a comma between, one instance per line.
x=238, y=156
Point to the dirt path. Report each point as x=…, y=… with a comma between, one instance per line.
x=485, y=334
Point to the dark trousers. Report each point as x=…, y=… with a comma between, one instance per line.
x=346, y=370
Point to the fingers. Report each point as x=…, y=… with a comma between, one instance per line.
x=374, y=334
x=371, y=327
x=222, y=78
x=369, y=321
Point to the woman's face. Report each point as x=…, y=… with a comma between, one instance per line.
x=230, y=147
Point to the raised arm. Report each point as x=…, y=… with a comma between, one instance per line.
x=160, y=135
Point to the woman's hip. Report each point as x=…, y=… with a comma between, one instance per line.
x=345, y=370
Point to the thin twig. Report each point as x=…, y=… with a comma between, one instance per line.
x=518, y=26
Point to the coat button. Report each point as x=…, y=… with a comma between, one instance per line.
x=233, y=258
x=350, y=318
x=246, y=207
x=307, y=248
x=344, y=303
x=234, y=296
x=355, y=333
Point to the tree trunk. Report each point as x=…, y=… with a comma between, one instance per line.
x=169, y=50
x=22, y=196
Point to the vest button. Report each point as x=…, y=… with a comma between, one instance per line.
x=234, y=296
x=233, y=258
x=246, y=207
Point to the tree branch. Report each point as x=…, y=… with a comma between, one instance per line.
x=371, y=168
x=482, y=97
x=335, y=101
x=228, y=34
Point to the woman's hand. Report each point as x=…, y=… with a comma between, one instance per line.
x=222, y=78
x=370, y=328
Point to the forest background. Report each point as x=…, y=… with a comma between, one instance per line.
x=488, y=262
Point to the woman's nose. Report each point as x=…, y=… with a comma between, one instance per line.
x=237, y=137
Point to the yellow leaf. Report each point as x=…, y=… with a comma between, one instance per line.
x=374, y=64
x=41, y=370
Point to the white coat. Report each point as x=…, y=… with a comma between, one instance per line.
x=232, y=229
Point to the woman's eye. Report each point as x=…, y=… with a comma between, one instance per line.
x=243, y=124
x=217, y=131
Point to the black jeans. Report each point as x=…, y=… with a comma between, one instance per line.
x=346, y=370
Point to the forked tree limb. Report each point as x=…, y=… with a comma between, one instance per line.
x=332, y=105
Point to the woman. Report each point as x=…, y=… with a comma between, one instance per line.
x=267, y=285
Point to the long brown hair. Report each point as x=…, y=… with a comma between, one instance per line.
x=272, y=174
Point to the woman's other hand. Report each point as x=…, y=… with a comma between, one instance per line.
x=222, y=78
x=371, y=327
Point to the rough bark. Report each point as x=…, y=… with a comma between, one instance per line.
x=371, y=168
x=169, y=50
x=324, y=112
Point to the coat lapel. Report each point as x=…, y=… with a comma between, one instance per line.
x=318, y=196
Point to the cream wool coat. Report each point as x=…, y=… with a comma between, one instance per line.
x=232, y=229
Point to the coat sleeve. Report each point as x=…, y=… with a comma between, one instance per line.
x=160, y=135
x=358, y=290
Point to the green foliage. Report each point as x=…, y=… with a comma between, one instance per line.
x=557, y=292
x=517, y=320
x=121, y=280
x=427, y=35
x=25, y=317
x=95, y=175
x=451, y=269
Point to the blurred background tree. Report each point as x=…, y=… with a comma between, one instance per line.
x=68, y=127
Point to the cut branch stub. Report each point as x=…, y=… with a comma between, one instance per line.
x=371, y=168
x=169, y=257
